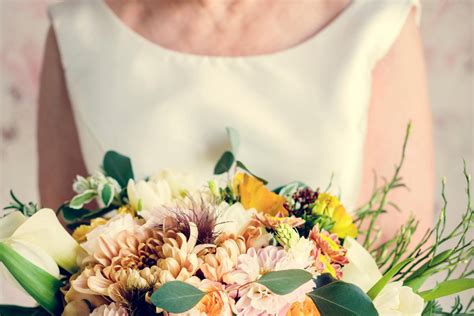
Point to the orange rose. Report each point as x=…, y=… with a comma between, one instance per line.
x=254, y=194
x=306, y=308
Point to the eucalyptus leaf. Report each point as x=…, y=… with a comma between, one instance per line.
x=285, y=281
x=289, y=189
x=85, y=197
x=447, y=288
x=39, y=284
x=234, y=139
x=340, y=298
x=118, y=167
x=107, y=194
x=375, y=290
x=225, y=163
x=242, y=166
x=176, y=297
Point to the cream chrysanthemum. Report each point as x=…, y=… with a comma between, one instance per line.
x=222, y=260
x=116, y=258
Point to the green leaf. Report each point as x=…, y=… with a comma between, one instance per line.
x=234, y=139
x=39, y=284
x=79, y=200
x=285, y=281
x=71, y=214
x=447, y=288
x=225, y=163
x=242, y=166
x=416, y=283
x=340, y=298
x=176, y=297
x=106, y=194
x=417, y=278
x=118, y=167
x=375, y=290
x=12, y=310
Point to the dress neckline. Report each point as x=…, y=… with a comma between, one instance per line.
x=139, y=39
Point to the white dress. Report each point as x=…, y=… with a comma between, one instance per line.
x=301, y=112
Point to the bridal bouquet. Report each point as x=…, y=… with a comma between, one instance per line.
x=168, y=246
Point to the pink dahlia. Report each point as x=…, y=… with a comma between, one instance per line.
x=255, y=299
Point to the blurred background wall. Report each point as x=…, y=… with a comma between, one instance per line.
x=447, y=32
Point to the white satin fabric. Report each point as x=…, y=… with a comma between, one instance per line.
x=301, y=112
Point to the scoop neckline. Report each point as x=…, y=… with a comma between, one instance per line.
x=196, y=57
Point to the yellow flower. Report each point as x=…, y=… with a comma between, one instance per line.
x=330, y=206
x=80, y=232
x=254, y=194
x=305, y=308
x=127, y=209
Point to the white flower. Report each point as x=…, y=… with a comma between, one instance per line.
x=394, y=299
x=110, y=230
x=362, y=269
x=43, y=241
x=233, y=219
x=180, y=183
x=398, y=300
x=300, y=252
x=148, y=195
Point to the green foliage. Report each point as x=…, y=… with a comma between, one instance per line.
x=39, y=284
x=107, y=194
x=224, y=163
x=85, y=197
x=439, y=251
x=28, y=209
x=118, y=167
x=285, y=281
x=340, y=298
x=240, y=165
x=234, y=139
x=176, y=297
x=447, y=288
x=375, y=290
x=12, y=310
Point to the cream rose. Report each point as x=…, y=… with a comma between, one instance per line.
x=394, y=299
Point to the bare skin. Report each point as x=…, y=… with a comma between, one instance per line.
x=241, y=28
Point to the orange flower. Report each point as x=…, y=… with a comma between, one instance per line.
x=306, y=308
x=254, y=194
x=215, y=303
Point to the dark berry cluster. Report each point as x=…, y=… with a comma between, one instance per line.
x=302, y=201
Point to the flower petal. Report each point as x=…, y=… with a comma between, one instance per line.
x=44, y=230
x=362, y=269
x=10, y=223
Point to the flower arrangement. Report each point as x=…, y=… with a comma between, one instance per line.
x=169, y=246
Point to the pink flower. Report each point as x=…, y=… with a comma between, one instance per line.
x=256, y=299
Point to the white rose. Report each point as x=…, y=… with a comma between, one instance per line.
x=362, y=270
x=234, y=218
x=398, y=300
